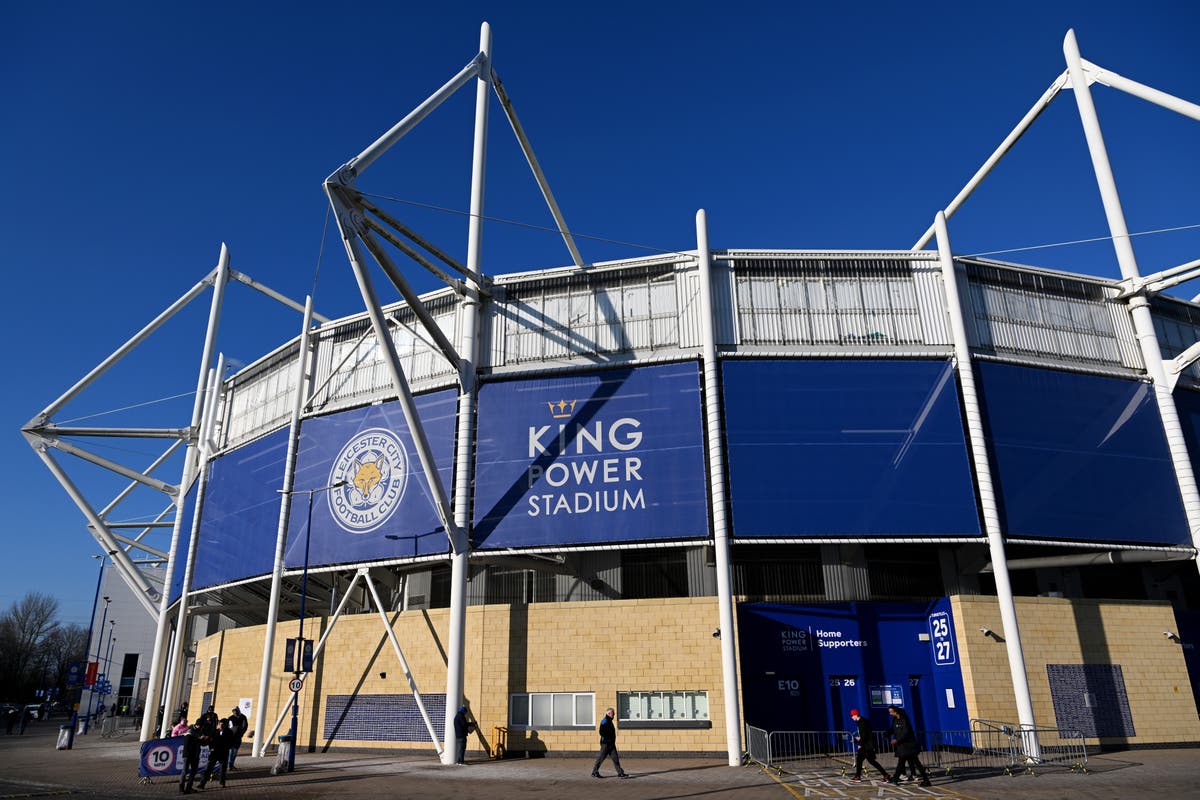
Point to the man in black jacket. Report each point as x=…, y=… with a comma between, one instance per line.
x=905, y=739
x=237, y=727
x=191, y=759
x=608, y=745
x=864, y=746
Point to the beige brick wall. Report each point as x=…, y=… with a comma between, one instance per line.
x=1061, y=631
x=602, y=647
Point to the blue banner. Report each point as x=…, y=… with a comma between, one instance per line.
x=847, y=448
x=161, y=757
x=1064, y=445
x=383, y=507
x=612, y=456
x=241, y=512
x=185, y=542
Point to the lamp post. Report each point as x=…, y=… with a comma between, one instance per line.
x=88, y=649
x=299, y=652
x=112, y=628
x=99, y=646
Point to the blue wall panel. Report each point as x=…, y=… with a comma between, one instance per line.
x=611, y=456
x=382, y=717
x=805, y=667
x=846, y=448
x=241, y=512
x=1079, y=457
x=385, y=509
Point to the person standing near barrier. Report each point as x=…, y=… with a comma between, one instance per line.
x=237, y=726
x=191, y=759
x=218, y=753
x=608, y=745
x=864, y=741
x=905, y=739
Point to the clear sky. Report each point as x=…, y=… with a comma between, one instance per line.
x=136, y=137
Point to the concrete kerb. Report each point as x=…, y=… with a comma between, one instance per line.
x=107, y=768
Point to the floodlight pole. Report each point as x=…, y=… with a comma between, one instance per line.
x=716, y=486
x=988, y=507
x=468, y=353
x=154, y=682
x=1139, y=305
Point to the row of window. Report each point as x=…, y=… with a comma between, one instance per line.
x=578, y=709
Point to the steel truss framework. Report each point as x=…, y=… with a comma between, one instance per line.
x=365, y=229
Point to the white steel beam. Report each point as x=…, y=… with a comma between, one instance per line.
x=412, y=683
x=464, y=454
x=988, y=507
x=1142, y=91
x=285, y=509
x=351, y=226
x=1041, y=105
x=536, y=168
x=416, y=238
x=274, y=295
x=411, y=252
x=109, y=464
x=364, y=159
x=716, y=487
x=1139, y=306
x=124, y=493
x=207, y=421
x=154, y=683
x=415, y=304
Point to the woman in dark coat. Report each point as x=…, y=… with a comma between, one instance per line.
x=905, y=739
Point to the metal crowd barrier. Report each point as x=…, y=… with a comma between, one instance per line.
x=988, y=746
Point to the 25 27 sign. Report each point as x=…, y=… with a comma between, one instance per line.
x=941, y=638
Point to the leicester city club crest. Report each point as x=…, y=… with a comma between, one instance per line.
x=374, y=468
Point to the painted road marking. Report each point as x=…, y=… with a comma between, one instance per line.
x=805, y=785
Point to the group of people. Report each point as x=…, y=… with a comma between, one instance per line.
x=223, y=737
x=903, y=737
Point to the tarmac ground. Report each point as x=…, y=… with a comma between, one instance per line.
x=107, y=768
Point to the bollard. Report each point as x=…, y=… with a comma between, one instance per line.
x=283, y=759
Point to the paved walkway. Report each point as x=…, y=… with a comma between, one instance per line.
x=106, y=769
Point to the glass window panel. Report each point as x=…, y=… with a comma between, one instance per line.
x=658, y=708
x=541, y=710
x=564, y=709
x=519, y=710
x=700, y=705
x=585, y=709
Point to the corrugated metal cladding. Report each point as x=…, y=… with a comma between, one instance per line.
x=1024, y=313
x=584, y=315
x=259, y=399
x=860, y=303
x=1178, y=327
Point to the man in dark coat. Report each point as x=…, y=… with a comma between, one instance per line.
x=608, y=745
x=237, y=727
x=218, y=752
x=191, y=759
x=905, y=739
x=864, y=746
x=462, y=726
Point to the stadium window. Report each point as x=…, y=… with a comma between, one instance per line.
x=685, y=706
x=552, y=710
x=212, y=669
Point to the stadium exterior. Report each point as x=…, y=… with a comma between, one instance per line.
x=711, y=488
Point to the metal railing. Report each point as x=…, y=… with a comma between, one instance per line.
x=988, y=746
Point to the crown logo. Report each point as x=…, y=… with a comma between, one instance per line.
x=563, y=409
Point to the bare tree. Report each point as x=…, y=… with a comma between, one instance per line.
x=24, y=629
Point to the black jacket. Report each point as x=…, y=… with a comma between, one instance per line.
x=865, y=736
x=237, y=726
x=906, y=738
x=608, y=731
x=191, y=747
x=461, y=728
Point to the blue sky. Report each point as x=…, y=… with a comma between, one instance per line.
x=136, y=137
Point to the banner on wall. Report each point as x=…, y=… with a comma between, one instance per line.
x=847, y=448
x=360, y=488
x=612, y=456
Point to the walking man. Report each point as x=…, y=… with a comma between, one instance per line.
x=608, y=745
x=907, y=748
x=864, y=740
